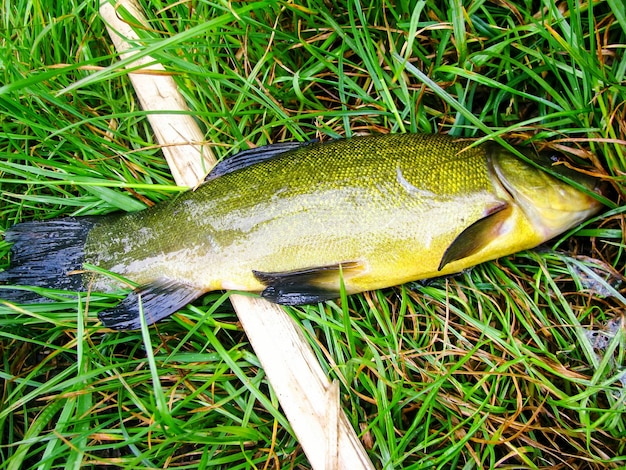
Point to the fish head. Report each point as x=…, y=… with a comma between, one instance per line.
x=551, y=204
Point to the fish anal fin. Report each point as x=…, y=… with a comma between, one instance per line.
x=476, y=236
x=306, y=286
x=253, y=156
x=156, y=300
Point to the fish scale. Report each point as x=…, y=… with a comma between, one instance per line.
x=293, y=221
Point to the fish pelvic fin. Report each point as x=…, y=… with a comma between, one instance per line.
x=45, y=254
x=475, y=237
x=305, y=286
x=155, y=301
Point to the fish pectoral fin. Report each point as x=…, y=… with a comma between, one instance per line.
x=253, y=156
x=306, y=286
x=476, y=236
x=156, y=300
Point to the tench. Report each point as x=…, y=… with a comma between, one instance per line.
x=295, y=221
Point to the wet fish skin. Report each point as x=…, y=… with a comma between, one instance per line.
x=289, y=220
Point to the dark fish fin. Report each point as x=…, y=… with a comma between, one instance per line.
x=298, y=295
x=159, y=300
x=251, y=157
x=476, y=236
x=304, y=286
x=45, y=254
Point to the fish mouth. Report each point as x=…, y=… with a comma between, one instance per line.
x=551, y=205
x=602, y=189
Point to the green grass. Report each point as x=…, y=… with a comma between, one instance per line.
x=518, y=363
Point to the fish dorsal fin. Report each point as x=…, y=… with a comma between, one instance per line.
x=250, y=157
x=476, y=236
x=159, y=300
x=306, y=286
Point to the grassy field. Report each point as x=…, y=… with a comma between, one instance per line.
x=518, y=363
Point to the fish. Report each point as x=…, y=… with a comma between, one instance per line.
x=298, y=222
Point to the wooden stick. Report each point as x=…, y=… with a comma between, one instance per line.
x=310, y=401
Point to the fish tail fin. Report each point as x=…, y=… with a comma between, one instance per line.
x=45, y=254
